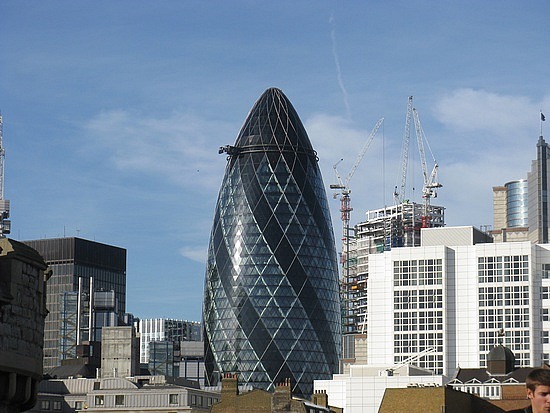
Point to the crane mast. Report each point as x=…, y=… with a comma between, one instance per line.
x=430, y=184
x=429, y=181
x=5, y=224
x=342, y=188
x=399, y=193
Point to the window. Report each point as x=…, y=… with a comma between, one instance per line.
x=119, y=400
x=174, y=399
x=506, y=268
x=57, y=406
x=99, y=400
x=78, y=405
x=45, y=405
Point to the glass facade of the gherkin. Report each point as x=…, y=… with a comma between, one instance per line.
x=271, y=302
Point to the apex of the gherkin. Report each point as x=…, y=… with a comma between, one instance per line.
x=274, y=123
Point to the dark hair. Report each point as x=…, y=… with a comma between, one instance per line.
x=537, y=377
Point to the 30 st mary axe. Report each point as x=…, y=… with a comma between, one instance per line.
x=271, y=302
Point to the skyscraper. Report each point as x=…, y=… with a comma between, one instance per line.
x=521, y=209
x=82, y=267
x=271, y=305
x=539, y=208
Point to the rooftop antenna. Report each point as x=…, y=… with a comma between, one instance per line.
x=5, y=224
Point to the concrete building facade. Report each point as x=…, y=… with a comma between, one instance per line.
x=458, y=298
x=362, y=387
x=119, y=352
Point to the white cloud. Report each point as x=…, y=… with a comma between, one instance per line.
x=180, y=148
x=335, y=138
x=195, y=254
x=489, y=139
x=490, y=114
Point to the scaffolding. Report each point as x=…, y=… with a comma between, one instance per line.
x=386, y=228
x=398, y=225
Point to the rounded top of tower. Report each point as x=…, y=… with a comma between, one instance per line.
x=273, y=125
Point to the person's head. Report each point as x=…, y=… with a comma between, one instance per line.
x=538, y=390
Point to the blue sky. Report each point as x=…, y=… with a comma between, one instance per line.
x=114, y=112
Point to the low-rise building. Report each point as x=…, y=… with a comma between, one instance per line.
x=501, y=383
x=434, y=400
x=361, y=389
x=262, y=401
x=137, y=394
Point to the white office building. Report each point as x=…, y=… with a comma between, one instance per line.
x=457, y=296
x=361, y=389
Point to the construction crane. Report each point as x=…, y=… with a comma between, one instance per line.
x=429, y=181
x=343, y=189
x=399, y=192
x=430, y=184
x=343, y=186
x=5, y=224
x=410, y=359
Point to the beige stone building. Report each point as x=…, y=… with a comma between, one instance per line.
x=22, y=311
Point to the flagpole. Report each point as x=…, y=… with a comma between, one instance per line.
x=542, y=119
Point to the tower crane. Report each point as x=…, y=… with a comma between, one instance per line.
x=399, y=193
x=5, y=224
x=343, y=186
x=430, y=184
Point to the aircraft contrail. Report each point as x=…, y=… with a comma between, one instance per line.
x=338, y=70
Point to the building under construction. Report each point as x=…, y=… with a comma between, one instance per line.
x=384, y=229
x=390, y=227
